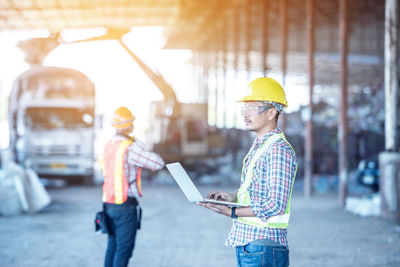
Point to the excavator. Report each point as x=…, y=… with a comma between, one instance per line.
x=179, y=130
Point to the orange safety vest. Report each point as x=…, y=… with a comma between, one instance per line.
x=115, y=187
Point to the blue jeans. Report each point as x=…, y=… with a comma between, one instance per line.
x=252, y=255
x=122, y=221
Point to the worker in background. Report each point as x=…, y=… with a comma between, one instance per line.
x=259, y=231
x=122, y=161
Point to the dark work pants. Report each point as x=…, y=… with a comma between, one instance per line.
x=122, y=219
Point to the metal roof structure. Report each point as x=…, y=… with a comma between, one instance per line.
x=236, y=28
x=57, y=15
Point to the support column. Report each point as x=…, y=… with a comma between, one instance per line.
x=264, y=36
x=210, y=60
x=224, y=42
x=204, y=77
x=308, y=166
x=196, y=74
x=389, y=161
x=236, y=52
x=284, y=34
x=248, y=37
x=216, y=68
x=236, y=38
x=342, y=127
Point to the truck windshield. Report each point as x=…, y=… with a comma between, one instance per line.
x=58, y=118
x=56, y=86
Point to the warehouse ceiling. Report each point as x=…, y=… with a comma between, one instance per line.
x=176, y=16
x=57, y=15
x=232, y=26
x=187, y=23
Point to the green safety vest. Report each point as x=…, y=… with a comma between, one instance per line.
x=243, y=197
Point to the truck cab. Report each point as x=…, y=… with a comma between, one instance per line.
x=51, y=118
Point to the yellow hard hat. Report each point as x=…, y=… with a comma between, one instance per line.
x=123, y=118
x=265, y=89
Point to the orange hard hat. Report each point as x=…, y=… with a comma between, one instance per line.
x=123, y=118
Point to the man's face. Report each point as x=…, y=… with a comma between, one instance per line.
x=130, y=130
x=256, y=115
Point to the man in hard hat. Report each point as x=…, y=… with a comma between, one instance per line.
x=259, y=231
x=122, y=161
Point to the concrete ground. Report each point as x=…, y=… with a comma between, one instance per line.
x=178, y=233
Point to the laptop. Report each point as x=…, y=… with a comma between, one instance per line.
x=190, y=190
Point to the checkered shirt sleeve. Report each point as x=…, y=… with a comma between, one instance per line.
x=274, y=175
x=139, y=156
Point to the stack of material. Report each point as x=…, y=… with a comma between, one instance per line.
x=21, y=191
x=366, y=206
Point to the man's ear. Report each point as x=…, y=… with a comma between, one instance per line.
x=272, y=113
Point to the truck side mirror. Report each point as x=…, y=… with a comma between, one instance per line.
x=98, y=121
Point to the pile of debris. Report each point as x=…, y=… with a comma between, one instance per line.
x=20, y=189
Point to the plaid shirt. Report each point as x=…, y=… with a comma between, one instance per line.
x=269, y=191
x=138, y=156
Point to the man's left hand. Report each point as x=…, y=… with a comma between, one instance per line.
x=221, y=209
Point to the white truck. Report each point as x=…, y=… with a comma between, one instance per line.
x=52, y=122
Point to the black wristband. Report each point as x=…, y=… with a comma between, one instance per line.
x=233, y=213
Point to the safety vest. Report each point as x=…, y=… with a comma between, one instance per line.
x=243, y=197
x=115, y=187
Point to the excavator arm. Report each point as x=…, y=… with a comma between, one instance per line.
x=171, y=106
x=36, y=50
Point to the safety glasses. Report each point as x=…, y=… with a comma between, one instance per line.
x=254, y=110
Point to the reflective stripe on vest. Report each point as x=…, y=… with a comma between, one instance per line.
x=139, y=182
x=243, y=197
x=115, y=187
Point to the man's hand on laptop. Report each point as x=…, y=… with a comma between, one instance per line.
x=221, y=209
x=221, y=195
